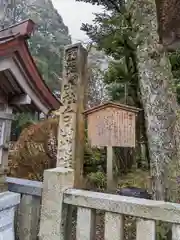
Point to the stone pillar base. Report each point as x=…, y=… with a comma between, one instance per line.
x=53, y=212
x=8, y=202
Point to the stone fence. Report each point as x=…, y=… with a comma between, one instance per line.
x=146, y=212
x=116, y=207
x=28, y=213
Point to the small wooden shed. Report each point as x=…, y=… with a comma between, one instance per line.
x=112, y=125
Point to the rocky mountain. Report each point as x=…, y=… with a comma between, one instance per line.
x=49, y=39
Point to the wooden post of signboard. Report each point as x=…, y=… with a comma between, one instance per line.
x=110, y=177
x=111, y=125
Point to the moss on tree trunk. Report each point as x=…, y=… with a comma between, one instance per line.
x=159, y=100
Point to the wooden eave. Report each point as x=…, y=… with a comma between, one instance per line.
x=17, y=48
x=114, y=105
x=24, y=28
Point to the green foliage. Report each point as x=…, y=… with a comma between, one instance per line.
x=22, y=121
x=113, y=33
x=163, y=231
x=94, y=158
x=108, y=4
x=97, y=179
x=136, y=178
x=175, y=63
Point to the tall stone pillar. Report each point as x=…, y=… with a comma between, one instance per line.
x=71, y=123
x=54, y=214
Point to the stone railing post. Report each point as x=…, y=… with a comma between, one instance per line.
x=53, y=211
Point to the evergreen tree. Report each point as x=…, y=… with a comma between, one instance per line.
x=113, y=32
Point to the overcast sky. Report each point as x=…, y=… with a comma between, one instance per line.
x=74, y=14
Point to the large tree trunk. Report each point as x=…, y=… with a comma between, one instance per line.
x=159, y=100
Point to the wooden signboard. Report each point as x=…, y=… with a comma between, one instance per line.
x=112, y=125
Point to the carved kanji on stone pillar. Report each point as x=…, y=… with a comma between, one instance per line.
x=71, y=124
x=168, y=13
